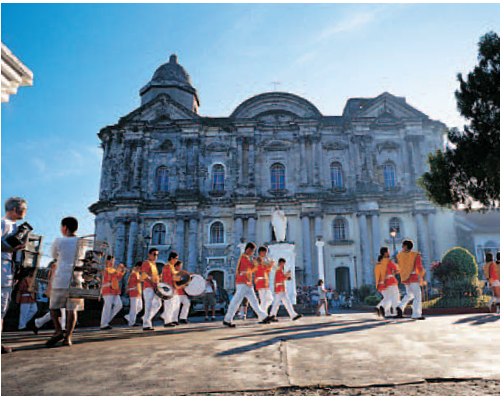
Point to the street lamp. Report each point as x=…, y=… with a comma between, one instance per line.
x=393, y=234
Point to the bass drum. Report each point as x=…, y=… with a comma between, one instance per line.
x=164, y=291
x=196, y=286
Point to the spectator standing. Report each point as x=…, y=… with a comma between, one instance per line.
x=15, y=210
x=210, y=297
x=322, y=299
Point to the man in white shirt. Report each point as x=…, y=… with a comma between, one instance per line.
x=64, y=250
x=210, y=296
x=15, y=210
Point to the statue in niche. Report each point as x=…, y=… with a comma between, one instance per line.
x=279, y=223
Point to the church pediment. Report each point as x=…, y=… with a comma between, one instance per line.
x=389, y=110
x=335, y=145
x=280, y=103
x=277, y=145
x=273, y=118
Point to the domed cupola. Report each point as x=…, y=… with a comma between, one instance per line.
x=172, y=79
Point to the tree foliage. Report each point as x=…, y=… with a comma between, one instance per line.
x=468, y=170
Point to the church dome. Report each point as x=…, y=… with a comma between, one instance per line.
x=171, y=73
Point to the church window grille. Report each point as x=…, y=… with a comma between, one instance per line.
x=336, y=175
x=218, y=177
x=277, y=174
x=162, y=179
x=340, y=230
x=389, y=172
x=395, y=224
x=159, y=234
x=217, y=233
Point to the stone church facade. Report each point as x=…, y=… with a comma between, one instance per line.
x=174, y=179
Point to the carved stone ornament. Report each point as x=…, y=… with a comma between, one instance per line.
x=277, y=145
x=167, y=146
x=217, y=147
x=388, y=145
x=335, y=145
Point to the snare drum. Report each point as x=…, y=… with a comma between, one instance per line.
x=196, y=286
x=164, y=291
x=184, y=278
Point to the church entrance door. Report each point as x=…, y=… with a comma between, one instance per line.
x=219, y=276
x=342, y=277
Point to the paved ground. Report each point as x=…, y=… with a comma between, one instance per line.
x=351, y=349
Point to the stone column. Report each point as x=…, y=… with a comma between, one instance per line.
x=138, y=168
x=303, y=160
x=252, y=229
x=133, y=233
x=307, y=253
x=120, y=237
x=375, y=228
x=180, y=238
x=365, y=250
x=192, y=246
x=239, y=231
x=240, y=158
x=251, y=163
x=320, y=259
x=422, y=241
x=316, y=161
x=195, y=164
x=318, y=226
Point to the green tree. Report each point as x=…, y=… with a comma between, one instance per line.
x=469, y=169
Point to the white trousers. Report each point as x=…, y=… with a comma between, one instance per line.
x=152, y=305
x=175, y=309
x=284, y=298
x=243, y=291
x=27, y=311
x=413, y=291
x=39, y=322
x=266, y=299
x=136, y=304
x=111, y=307
x=168, y=309
x=390, y=299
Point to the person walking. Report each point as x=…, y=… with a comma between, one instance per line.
x=26, y=299
x=135, y=294
x=210, y=297
x=281, y=295
x=323, y=301
x=150, y=276
x=111, y=291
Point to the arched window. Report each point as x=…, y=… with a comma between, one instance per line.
x=336, y=175
x=395, y=224
x=159, y=234
x=389, y=175
x=162, y=179
x=217, y=233
x=218, y=177
x=340, y=230
x=277, y=177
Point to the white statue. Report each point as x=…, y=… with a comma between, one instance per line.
x=279, y=223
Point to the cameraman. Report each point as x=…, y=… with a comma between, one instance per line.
x=15, y=210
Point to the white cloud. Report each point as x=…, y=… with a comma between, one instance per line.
x=351, y=23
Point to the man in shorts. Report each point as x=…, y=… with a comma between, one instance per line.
x=64, y=250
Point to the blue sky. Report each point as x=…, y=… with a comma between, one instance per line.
x=90, y=61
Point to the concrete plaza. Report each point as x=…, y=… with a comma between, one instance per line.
x=348, y=348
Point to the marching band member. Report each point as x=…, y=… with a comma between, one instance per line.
x=26, y=298
x=150, y=276
x=167, y=277
x=491, y=270
x=263, y=268
x=134, y=292
x=181, y=299
x=111, y=291
x=387, y=284
x=412, y=273
x=280, y=293
x=244, y=288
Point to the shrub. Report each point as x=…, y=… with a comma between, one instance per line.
x=365, y=291
x=459, y=263
x=372, y=300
